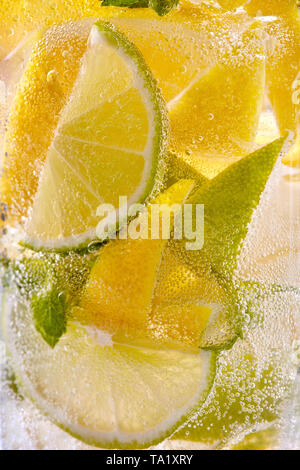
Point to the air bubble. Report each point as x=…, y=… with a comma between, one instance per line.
x=52, y=76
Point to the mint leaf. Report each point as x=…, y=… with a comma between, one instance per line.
x=47, y=281
x=126, y=3
x=162, y=7
x=49, y=314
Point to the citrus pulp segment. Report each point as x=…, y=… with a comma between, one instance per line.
x=35, y=111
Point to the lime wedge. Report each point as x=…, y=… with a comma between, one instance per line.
x=108, y=141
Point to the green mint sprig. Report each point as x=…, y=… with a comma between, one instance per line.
x=49, y=314
x=51, y=284
x=162, y=7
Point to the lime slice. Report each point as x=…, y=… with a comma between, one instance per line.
x=108, y=141
x=108, y=395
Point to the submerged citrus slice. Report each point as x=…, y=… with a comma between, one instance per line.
x=254, y=379
x=272, y=7
x=118, y=295
x=215, y=116
x=109, y=395
x=108, y=137
x=283, y=79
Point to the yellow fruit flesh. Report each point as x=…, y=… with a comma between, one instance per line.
x=179, y=325
x=272, y=7
x=283, y=79
x=140, y=292
x=224, y=113
x=292, y=158
x=118, y=296
x=168, y=44
x=172, y=54
x=114, y=396
x=283, y=70
x=35, y=112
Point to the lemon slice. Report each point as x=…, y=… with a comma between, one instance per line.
x=283, y=79
x=108, y=395
x=108, y=142
x=191, y=311
x=226, y=127
x=119, y=292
